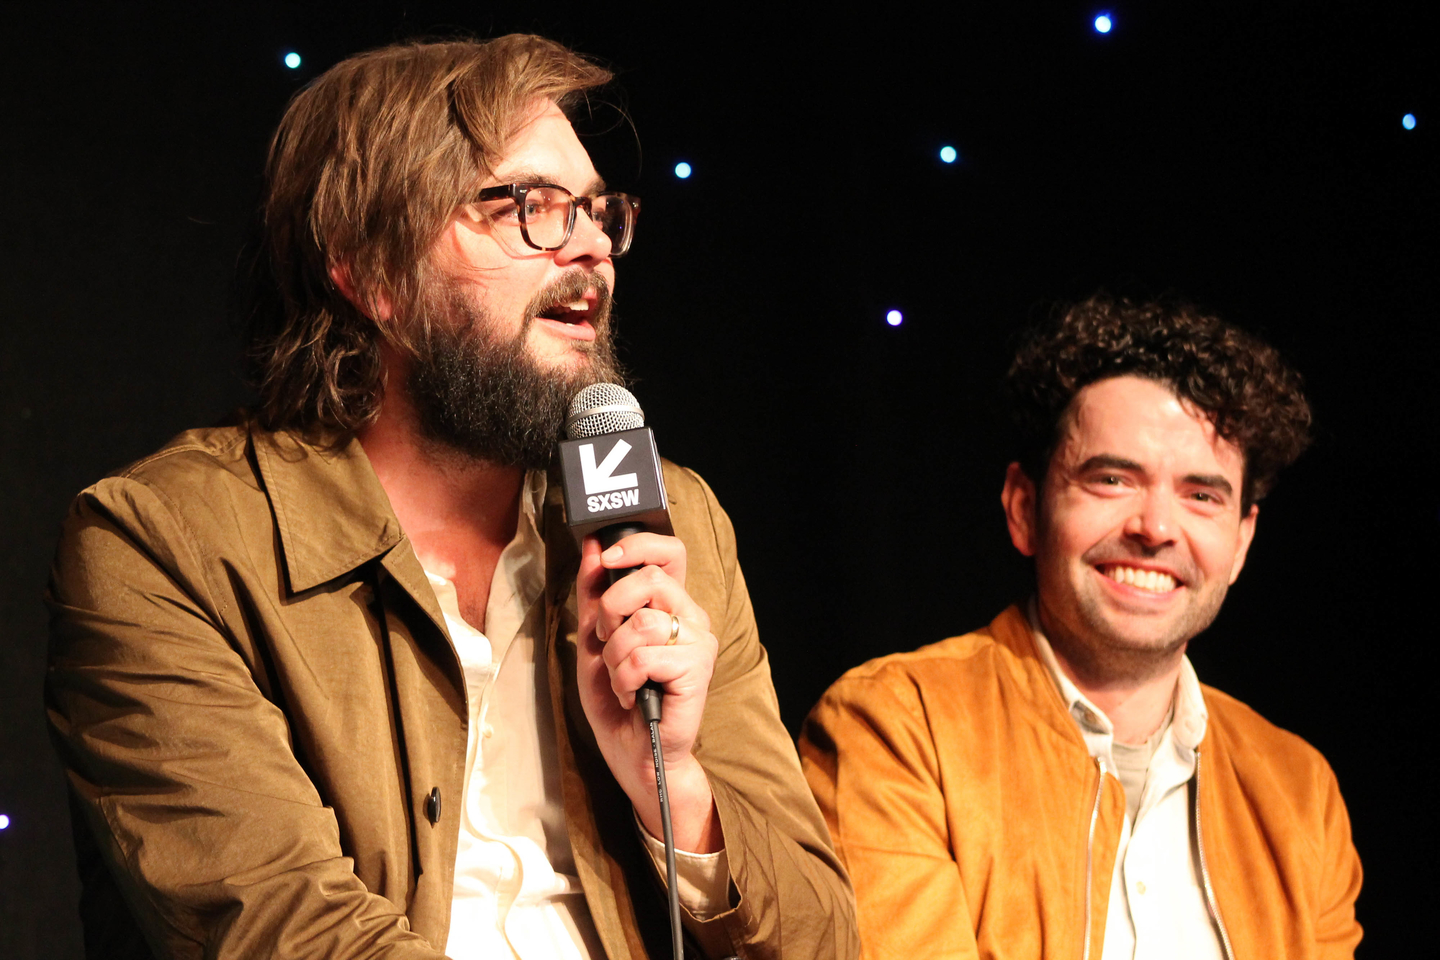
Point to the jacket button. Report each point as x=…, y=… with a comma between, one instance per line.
x=432, y=805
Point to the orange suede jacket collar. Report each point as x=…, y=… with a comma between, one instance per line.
x=963, y=802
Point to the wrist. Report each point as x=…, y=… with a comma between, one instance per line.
x=693, y=817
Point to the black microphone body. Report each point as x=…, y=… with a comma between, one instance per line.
x=614, y=486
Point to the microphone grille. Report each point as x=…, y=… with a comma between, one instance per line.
x=603, y=408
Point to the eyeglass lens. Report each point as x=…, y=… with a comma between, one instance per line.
x=547, y=212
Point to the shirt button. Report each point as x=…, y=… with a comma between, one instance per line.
x=1140, y=887
x=488, y=731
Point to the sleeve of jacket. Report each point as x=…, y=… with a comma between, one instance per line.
x=1337, y=932
x=870, y=760
x=793, y=899
x=182, y=768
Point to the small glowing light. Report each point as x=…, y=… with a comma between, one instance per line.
x=1103, y=23
x=682, y=170
x=292, y=60
x=4, y=821
x=894, y=318
x=949, y=154
x=1408, y=121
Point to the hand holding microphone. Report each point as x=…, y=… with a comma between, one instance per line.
x=628, y=629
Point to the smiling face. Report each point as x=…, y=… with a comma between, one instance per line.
x=1136, y=532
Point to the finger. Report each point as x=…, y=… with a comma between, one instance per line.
x=646, y=628
x=592, y=572
x=590, y=585
x=648, y=549
x=647, y=587
x=682, y=670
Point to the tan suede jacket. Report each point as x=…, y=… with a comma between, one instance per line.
x=264, y=724
x=974, y=823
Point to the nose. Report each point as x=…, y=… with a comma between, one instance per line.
x=587, y=242
x=1153, y=522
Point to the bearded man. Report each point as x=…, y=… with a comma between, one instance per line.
x=1036, y=788
x=335, y=680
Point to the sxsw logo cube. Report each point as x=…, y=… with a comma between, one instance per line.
x=612, y=477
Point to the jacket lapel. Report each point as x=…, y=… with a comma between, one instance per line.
x=334, y=518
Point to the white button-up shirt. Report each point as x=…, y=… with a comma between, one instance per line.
x=1157, y=902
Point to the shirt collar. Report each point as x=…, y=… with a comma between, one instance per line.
x=1189, y=718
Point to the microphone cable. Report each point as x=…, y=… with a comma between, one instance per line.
x=648, y=700
x=649, y=703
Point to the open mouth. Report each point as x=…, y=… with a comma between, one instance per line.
x=578, y=311
x=1151, y=581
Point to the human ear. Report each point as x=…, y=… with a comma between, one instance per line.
x=377, y=307
x=1018, y=498
x=1246, y=535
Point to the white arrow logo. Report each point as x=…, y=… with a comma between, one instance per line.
x=599, y=479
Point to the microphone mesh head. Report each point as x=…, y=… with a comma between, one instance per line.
x=603, y=408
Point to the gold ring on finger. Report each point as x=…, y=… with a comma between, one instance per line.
x=674, y=630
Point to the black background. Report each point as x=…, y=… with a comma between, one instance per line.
x=1248, y=156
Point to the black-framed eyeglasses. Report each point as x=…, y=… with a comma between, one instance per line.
x=545, y=214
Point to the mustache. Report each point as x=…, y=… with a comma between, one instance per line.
x=567, y=289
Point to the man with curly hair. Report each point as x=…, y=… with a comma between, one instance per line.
x=1060, y=784
x=334, y=680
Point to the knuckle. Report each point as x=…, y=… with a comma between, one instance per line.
x=657, y=622
x=612, y=658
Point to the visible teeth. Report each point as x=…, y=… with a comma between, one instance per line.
x=578, y=305
x=1151, y=580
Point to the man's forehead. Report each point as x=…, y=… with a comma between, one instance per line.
x=1141, y=419
x=546, y=148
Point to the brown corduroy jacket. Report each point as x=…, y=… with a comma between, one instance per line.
x=963, y=801
x=255, y=698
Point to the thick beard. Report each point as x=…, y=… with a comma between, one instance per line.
x=486, y=397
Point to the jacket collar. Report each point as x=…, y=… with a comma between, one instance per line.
x=1011, y=630
x=330, y=510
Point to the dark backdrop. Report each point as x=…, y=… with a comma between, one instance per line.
x=1250, y=157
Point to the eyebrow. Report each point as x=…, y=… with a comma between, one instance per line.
x=1111, y=462
x=527, y=175
x=1106, y=460
x=1213, y=480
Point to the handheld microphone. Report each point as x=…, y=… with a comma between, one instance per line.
x=613, y=483
x=611, y=473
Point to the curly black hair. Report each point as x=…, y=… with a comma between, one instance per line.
x=1239, y=381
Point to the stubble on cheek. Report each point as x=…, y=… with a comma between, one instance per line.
x=1105, y=640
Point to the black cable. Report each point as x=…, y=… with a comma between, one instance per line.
x=647, y=699
x=650, y=708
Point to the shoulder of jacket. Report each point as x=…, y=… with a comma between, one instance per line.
x=685, y=486
x=965, y=653
x=189, y=452
x=191, y=474
x=700, y=521
x=1249, y=740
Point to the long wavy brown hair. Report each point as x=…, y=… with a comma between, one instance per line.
x=366, y=168
x=1240, y=382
